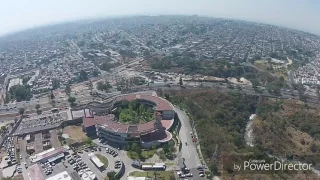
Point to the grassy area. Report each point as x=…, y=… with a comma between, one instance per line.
x=146, y=154
x=162, y=175
x=133, y=155
x=76, y=134
x=103, y=159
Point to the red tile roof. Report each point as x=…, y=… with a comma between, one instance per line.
x=91, y=121
x=87, y=122
x=108, y=121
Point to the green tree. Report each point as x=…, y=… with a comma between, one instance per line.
x=83, y=75
x=72, y=100
x=106, y=66
x=21, y=111
x=214, y=169
x=37, y=106
x=89, y=141
x=100, y=86
x=55, y=84
x=95, y=73
x=90, y=86
x=20, y=92
x=180, y=81
x=39, y=111
x=255, y=83
x=68, y=89
x=134, y=147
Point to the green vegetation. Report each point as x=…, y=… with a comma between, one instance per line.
x=167, y=151
x=95, y=73
x=39, y=111
x=282, y=127
x=103, y=86
x=106, y=66
x=83, y=76
x=25, y=80
x=111, y=176
x=161, y=175
x=89, y=141
x=103, y=159
x=146, y=154
x=134, y=112
x=135, y=152
x=67, y=89
x=215, y=114
x=21, y=111
x=55, y=84
x=72, y=101
x=20, y=93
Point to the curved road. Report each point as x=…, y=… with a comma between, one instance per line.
x=189, y=151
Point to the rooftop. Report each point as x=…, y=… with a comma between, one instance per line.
x=95, y=160
x=61, y=176
x=47, y=154
x=34, y=172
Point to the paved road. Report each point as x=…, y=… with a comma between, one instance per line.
x=54, y=139
x=122, y=156
x=189, y=151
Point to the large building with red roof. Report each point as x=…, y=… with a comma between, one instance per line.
x=149, y=133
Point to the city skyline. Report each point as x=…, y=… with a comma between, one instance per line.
x=297, y=14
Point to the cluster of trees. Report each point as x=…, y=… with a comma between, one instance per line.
x=39, y=111
x=106, y=66
x=20, y=93
x=55, y=84
x=215, y=113
x=83, y=76
x=279, y=125
x=219, y=68
x=112, y=176
x=168, y=150
x=134, y=112
x=127, y=53
x=103, y=86
x=134, y=148
x=126, y=42
x=25, y=80
x=72, y=101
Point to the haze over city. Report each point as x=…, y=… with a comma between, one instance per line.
x=17, y=15
x=166, y=90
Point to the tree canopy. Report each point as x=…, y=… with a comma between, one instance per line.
x=20, y=93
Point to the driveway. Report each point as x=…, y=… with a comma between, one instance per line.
x=122, y=156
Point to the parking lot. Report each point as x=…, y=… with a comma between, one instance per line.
x=8, y=145
x=40, y=123
x=79, y=163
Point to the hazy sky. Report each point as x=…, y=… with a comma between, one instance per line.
x=298, y=14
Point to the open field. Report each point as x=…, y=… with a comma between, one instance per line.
x=75, y=132
x=163, y=175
